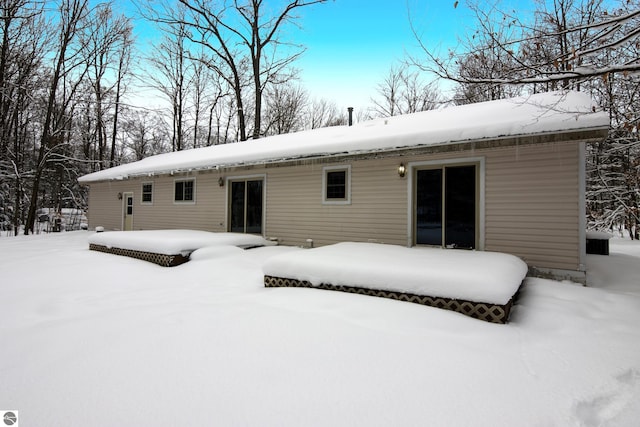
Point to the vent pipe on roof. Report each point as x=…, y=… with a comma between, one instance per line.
x=350, y=109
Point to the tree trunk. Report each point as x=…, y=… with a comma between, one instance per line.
x=68, y=32
x=241, y=121
x=33, y=201
x=114, y=132
x=16, y=210
x=257, y=122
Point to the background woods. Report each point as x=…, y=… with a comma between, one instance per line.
x=79, y=92
x=585, y=45
x=67, y=107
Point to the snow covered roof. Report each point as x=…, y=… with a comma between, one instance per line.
x=535, y=114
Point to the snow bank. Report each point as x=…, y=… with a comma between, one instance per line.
x=470, y=275
x=173, y=242
x=540, y=113
x=89, y=340
x=599, y=235
x=213, y=252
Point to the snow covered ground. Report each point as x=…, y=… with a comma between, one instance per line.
x=92, y=339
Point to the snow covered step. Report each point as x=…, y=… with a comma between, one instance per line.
x=478, y=284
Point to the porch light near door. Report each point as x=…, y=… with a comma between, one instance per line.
x=119, y=196
x=221, y=182
x=401, y=170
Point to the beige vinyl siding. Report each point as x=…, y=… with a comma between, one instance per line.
x=105, y=209
x=530, y=196
x=207, y=213
x=377, y=212
x=532, y=204
x=531, y=200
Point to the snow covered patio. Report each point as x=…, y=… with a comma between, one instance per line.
x=168, y=248
x=90, y=339
x=482, y=285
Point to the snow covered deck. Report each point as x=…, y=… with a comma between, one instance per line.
x=168, y=248
x=482, y=285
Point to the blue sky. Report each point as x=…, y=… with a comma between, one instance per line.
x=351, y=44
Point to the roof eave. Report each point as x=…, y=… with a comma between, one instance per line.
x=583, y=134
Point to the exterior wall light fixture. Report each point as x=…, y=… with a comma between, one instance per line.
x=402, y=170
x=119, y=196
x=221, y=182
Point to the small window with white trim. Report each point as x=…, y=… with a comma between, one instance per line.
x=185, y=190
x=147, y=193
x=336, y=185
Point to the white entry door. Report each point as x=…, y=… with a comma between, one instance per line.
x=127, y=208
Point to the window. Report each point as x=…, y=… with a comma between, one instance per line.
x=185, y=190
x=147, y=192
x=336, y=185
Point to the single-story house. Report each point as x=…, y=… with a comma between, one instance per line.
x=506, y=176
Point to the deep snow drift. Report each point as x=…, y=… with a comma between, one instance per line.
x=95, y=339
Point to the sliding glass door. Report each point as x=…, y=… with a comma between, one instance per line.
x=246, y=206
x=446, y=206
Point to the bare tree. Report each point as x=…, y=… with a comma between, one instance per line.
x=322, y=113
x=486, y=58
x=224, y=111
x=207, y=90
x=389, y=92
x=613, y=182
x=69, y=59
x=218, y=93
x=21, y=54
x=572, y=36
x=245, y=36
x=146, y=135
x=419, y=95
x=403, y=92
x=199, y=86
x=171, y=70
x=124, y=58
x=106, y=37
x=285, y=109
x=585, y=45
